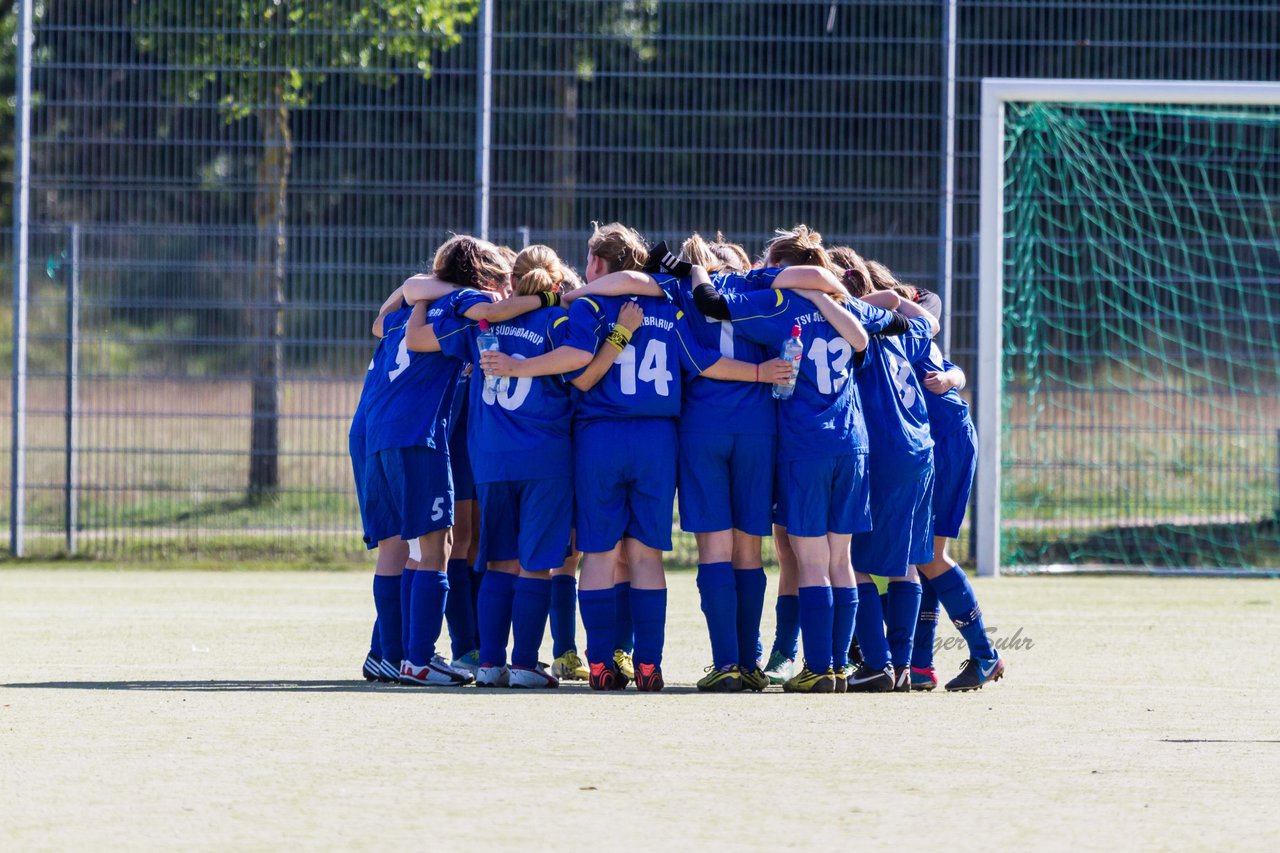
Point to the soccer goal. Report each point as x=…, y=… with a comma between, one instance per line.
x=1128, y=393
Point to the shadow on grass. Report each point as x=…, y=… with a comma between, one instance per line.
x=1245, y=545
x=299, y=686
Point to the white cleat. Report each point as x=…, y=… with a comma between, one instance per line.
x=435, y=674
x=532, y=679
x=389, y=671
x=493, y=676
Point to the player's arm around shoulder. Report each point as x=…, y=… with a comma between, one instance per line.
x=630, y=317
x=579, y=344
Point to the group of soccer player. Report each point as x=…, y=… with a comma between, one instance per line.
x=522, y=437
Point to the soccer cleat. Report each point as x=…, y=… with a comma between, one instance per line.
x=923, y=678
x=855, y=652
x=649, y=678
x=864, y=679
x=605, y=677
x=435, y=674
x=570, y=667
x=780, y=668
x=902, y=679
x=531, y=679
x=372, y=669
x=389, y=671
x=807, y=681
x=754, y=679
x=470, y=662
x=718, y=680
x=976, y=672
x=488, y=675
x=842, y=679
x=622, y=660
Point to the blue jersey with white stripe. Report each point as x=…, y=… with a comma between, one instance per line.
x=375, y=380
x=648, y=378
x=892, y=397
x=947, y=412
x=824, y=416
x=716, y=405
x=415, y=406
x=522, y=430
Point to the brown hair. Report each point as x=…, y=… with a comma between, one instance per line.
x=882, y=279
x=799, y=246
x=508, y=254
x=853, y=271
x=468, y=262
x=696, y=251
x=731, y=256
x=537, y=269
x=622, y=248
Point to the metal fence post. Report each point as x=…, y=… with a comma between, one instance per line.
x=484, y=116
x=21, y=226
x=946, y=215
x=73, y=376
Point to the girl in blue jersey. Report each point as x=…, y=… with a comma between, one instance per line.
x=901, y=473
x=408, y=483
x=625, y=496
x=955, y=454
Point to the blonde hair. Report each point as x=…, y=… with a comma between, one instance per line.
x=509, y=254
x=880, y=278
x=696, y=251
x=620, y=247
x=799, y=246
x=732, y=257
x=537, y=269
x=468, y=262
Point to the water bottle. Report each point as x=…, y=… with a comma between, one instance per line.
x=791, y=351
x=488, y=342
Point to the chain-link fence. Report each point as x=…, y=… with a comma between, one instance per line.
x=233, y=186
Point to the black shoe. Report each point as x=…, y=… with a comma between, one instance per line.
x=867, y=680
x=976, y=673
x=855, y=653
x=902, y=679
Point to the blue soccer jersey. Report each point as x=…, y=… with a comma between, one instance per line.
x=892, y=397
x=522, y=430
x=414, y=407
x=647, y=379
x=947, y=412
x=714, y=405
x=824, y=416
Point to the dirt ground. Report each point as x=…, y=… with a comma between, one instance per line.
x=214, y=710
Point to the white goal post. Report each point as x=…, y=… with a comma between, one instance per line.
x=996, y=94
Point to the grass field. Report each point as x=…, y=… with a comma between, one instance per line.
x=203, y=709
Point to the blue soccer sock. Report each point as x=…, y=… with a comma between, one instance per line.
x=430, y=590
x=900, y=620
x=386, y=600
x=844, y=601
x=458, y=611
x=926, y=626
x=624, y=629
x=564, y=614
x=749, y=585
x=786, y=637
x=496, y=593
x=956, y=594
x=817, y=616
x=477, y=575
x=720, y=606
x=599, y=614
x=375, y=642
x=406, y=605
x=530, y=605
x=649, y=613
x=868, y=626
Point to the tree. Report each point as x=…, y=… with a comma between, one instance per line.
x=262, y=61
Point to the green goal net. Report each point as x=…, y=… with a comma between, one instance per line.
x=1141, y=336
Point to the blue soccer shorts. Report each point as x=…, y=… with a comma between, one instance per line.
x=464, y=483
x=901, y=532
x=527, y=520
x=408, y=492
x=828, y=494
x=955, y=459
x=726, y=481
x=355, y=446
x=624, y=482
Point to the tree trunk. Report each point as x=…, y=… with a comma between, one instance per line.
x=266, y=311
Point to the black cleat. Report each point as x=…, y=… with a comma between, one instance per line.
x=864, y=679
x=975, y=673
x=902, y=679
